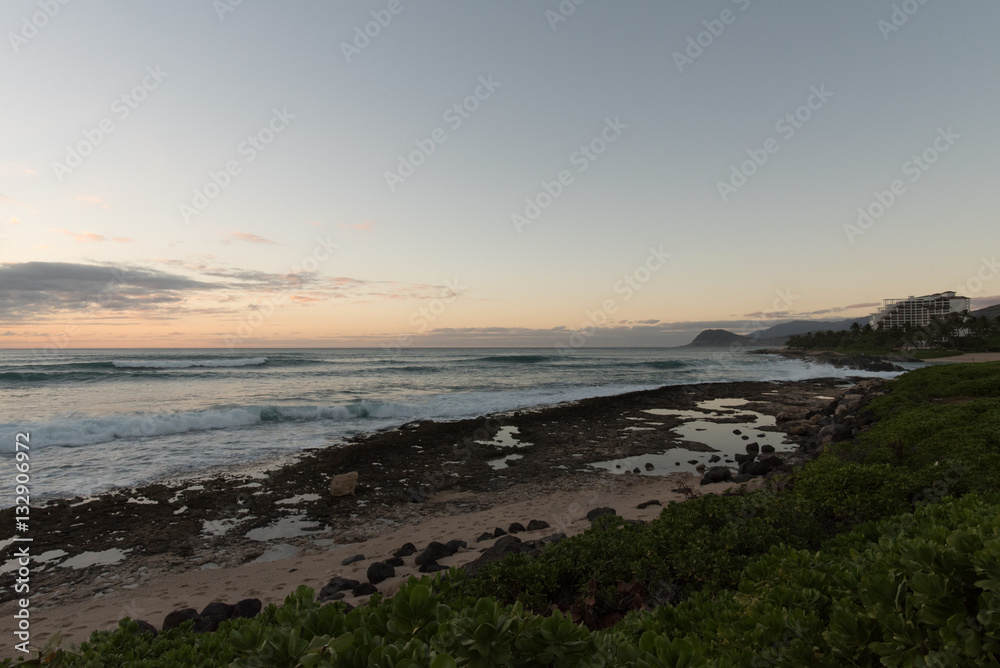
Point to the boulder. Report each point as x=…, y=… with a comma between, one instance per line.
x=714, y=458
x=764, y=466
x=506, y=545
x=364, y=589
x=716, y=474
x=535, y=525
x=737, y=432
x=215, y=613
x=753, y=448
x=456, y=545
x=351, y=560
x=395, y=562
x=516, y=527
x=433, y=552
x=379, y=571
x=178, y=617
x=334, y=586
x=344, y=485
x=499, y=532
x=649, y=466
x=767, y=449
x=600, y=512
x=146, y=627
x=248, y=608
x=743, y=459
x=406, y=550
x=647, y=504
x=486, y=535
x=432, y=566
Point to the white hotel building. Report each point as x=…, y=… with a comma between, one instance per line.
x=918, y=311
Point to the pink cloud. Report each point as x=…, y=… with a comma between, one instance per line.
x=83, y=237
x=251, y=238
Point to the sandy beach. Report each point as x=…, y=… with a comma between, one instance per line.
x=264, y=531
x=966, y=357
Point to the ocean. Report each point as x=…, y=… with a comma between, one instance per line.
x=104, y=418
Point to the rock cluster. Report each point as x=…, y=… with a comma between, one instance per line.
x=840, y=421
x=207, y=620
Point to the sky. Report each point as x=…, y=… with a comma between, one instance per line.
x=245, y=174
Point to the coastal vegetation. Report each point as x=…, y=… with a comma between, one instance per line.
x=956, y=334
x=883, y=550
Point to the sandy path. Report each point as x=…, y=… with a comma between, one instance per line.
x=164, y=592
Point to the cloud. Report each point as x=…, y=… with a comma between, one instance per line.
x=124, y=240
x=83, y=237
x=93, y=201
x=366, y=225
x=37, y=289
x=251, y=238
x=14, y=220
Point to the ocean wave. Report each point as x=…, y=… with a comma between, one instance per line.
x=514, y=359
x=188, y=364
x=76, y=431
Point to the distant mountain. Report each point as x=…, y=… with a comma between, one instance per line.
x=990, y=312
x=772, y=336
x=796, y=327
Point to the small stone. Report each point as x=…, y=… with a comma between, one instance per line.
x=516, y=527
x=456, y=545
x=767, y=449
x=649, y=466
x=647, y=504
x=600, y=512
x=499, y=532
x=636, y=470
x=248, y=608
x=351, y=560
x=535, y=525
x=714, y=458
x=486, y=535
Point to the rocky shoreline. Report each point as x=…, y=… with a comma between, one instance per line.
x=418, y=472
x=841, y=360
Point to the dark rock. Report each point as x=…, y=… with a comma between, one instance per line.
x=248, y=608
x=433, y=552
x=714, y=458
x=516, y=527
x=647, y=504
x=432, y=566
x=484, y=536
x=742, y=459
x=406, y=550
x=743, y=477
x=737, y=432
x=753, y=448
x=506, y=545
x=145, y=627
x=745, y=437
x=767, y=449
x=764, y=466
x=395, y=562
x=456, y=545
x=636, y=470
x=600, y=512
x=364, y=589
x=216, y=613
x=692, y=461
x=716, y=474
x=335, y=585
x=415, y=497
x=178, y=617
x=499, y=532
x=649, y=466
x=351, y=560
x=379, y=571
x=535, y=525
